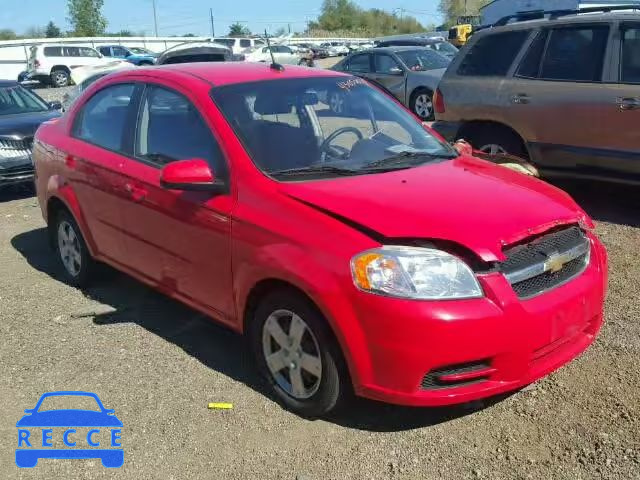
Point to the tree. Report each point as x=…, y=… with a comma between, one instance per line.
x=239, y=30
x=34, y=32
x=85, y=16
x=52, y=30
x=7, y=34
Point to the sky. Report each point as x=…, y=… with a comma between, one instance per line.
x=178, y=17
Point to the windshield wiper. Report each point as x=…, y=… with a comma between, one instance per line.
x=319, y=169
x=405, y=160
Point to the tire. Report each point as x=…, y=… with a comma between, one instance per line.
x=496, y=139
x=60, y=78
x=421, y=103
x=318, y=393
x=71, y=250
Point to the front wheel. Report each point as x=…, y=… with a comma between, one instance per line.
x=421, y=104
x=298, y=355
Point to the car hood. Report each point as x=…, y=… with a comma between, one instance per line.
x=69, y=418
x=468, y=201
x=24, y=124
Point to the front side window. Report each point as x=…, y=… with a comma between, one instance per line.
x=88, y=52
x=630, y=55
x=102, y=119
x=16, y=99
x=290, y=131
x=530, y=65
x=170, y=129
x=423, y=59
x=575, y=54
x=359, y=64
x=106, y=51
x=119, y=52
x=493, y=54
x=385, y=64
x=245, y=43
x=52, y=51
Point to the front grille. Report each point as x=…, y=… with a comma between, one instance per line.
x=10, y=148
x=546, y=262
x=431, y=380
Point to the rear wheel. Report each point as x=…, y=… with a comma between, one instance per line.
x=60, y=78
x=421, y=104
x=495, y=140
x=297, y=354
x=72, y=250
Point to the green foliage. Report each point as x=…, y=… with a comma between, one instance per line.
x=452, y=9
x=85, y=17
x=341, y=15
x=52, y=30
x=239, y=30
x=7, y=34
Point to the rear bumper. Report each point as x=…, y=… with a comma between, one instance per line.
x=448, y=130
x=511, y=342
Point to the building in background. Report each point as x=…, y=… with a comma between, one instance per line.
x=498, y=9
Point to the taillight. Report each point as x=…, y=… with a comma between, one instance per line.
x=438, y=102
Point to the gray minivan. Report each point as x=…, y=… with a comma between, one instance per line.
x=563, y=90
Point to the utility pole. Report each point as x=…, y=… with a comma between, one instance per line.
x=213, y=31
x=289, y=29
x=155, y=17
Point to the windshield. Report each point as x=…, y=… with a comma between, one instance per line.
x=443, y=47
x=17, y=99
x=423, y=59
x=326, y=126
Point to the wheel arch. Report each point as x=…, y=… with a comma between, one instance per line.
x=60, y=67
x=475, y=125
x=65, y=200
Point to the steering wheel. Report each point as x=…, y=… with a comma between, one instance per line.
x=327, y=148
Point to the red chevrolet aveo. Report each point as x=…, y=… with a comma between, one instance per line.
x=358, y=251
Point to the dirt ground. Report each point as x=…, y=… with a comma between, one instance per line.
x=158, y=364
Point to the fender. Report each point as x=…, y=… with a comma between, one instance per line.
x=285, y=263
x=59, y=188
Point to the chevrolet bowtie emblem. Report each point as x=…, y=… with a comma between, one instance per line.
x=555, y=263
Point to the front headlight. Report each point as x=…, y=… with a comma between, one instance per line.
x=414, y=272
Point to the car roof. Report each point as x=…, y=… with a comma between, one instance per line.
x=228, y=73
x=565, y=19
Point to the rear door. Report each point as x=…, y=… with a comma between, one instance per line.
x=390, y=74
x=561, y=97
x=97, y=147
x=360, y=65
x=178, y=240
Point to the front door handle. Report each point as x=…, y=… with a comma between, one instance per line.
x=521, y=99
x=137, y=194
x=628, y=103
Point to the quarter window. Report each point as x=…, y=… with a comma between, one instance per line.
x=493, y=54
x=52, y=51
x=385, y=64
x=630, y=58
x=103, y=118
x=359, y=64
x=575, y=54
x=245, y=43
x=170, y=129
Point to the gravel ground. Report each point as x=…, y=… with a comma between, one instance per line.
x=158, y=363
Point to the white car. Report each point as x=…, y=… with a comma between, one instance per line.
x=53, y=63
x=336, y=49
x=282, y=54
x=240, y=45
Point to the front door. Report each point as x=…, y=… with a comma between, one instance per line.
x=94, y=157
x=390, y=74
x=178, y=240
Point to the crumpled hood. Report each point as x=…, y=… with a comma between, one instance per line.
x=468, y=201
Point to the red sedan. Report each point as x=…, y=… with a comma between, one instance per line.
x=358, y=251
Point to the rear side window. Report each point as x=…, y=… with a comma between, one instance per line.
x=103, y=118
x=530, y=66
x=492, y=55
x=245, y=43
x=630, y=55
x=385, y=64
x=170, y=129
x=71, y=51
x=575, y=54
x=52, y=51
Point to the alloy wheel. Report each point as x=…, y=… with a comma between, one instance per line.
x=69, y=248
x=292, y=354
x=493, y=149
x=424, y=106
x=60, y=79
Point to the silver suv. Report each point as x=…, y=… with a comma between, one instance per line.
x=562, y=90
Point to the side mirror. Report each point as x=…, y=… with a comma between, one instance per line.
x=396, y=71
x=55, y=105
x=190, y=175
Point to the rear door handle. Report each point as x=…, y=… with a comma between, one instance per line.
x=137, y=194
x=521, y=99
x=628, y=103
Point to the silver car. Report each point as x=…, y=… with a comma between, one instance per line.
x=411, y=74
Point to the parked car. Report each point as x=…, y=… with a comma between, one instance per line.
x=408, y=73
x=143, y=51
x=189, y=52
x=357, y=252
x=52, y=63
x=440, y=46
x=335, y=49
x=282, y=54
x=21, y=113
x=240, y=45
x=562, y=92
x=318, y=52
x=118, y=51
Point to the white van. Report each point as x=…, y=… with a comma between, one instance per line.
x=240, y=45
x=52, y=63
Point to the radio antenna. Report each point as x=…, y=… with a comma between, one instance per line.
x=274, y=65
